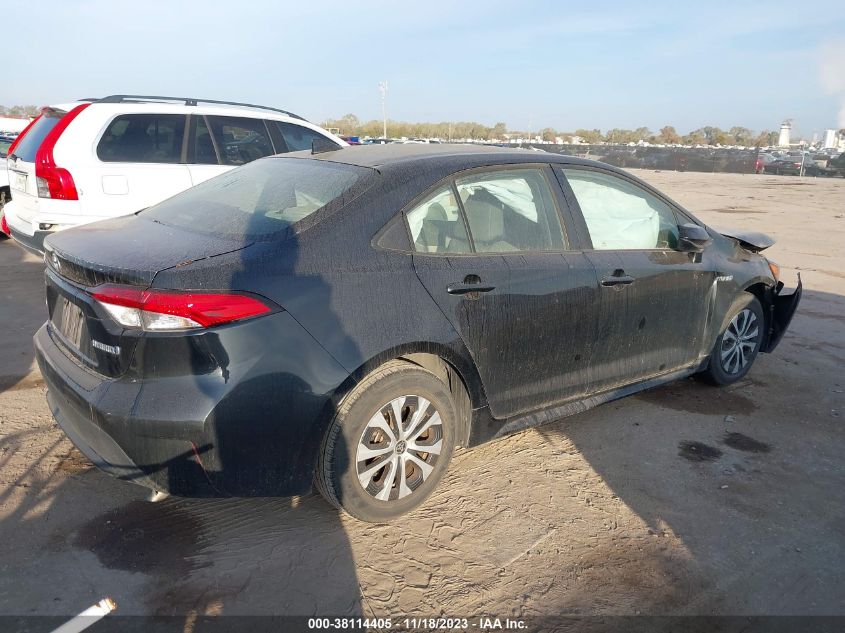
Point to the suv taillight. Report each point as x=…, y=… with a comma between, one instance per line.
x=54, y=181
x=4, y=226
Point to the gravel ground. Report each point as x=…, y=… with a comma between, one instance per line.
x=682, y=500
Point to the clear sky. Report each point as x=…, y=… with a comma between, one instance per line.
x=562, y=64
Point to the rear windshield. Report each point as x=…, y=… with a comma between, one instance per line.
x=261, y=198
x=5, y=143
x=31, y=141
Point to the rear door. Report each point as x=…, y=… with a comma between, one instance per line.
x=654, y=297
x=141, y=163
x=492, y=251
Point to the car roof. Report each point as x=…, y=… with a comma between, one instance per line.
x=379, y=156
x=166, y=107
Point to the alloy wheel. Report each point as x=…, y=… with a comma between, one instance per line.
x=399, y=447
x=739, y=341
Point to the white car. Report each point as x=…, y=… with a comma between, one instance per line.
x=95, y=159
x=5, y=142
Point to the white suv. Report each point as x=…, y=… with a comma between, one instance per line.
x=101, y=158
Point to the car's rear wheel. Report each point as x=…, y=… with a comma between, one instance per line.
x=389, y=443
x=739, y=343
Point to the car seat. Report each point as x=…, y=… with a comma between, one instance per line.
x=487, y=223
x=432, y=238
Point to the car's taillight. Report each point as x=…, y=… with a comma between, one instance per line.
x=54, y=181
x=162, y=310
x=4, y=226
x=20, y=136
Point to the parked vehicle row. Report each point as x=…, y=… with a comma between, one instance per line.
x=6, y=141
x=90, y=160
x=349, y=317
x=800, y=163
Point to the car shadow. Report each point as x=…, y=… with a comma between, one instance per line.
x=186, y=559
x=735, y=485
x=22, y=312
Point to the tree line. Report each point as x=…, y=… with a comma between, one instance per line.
x=447, y=130
x=708, y=135
x=20, y=111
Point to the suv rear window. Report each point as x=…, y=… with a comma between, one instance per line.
x=143, y=138
x=261, y=198
x=31, y=141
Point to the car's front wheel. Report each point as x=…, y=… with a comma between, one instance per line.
x=389, y=443
x=738, y=344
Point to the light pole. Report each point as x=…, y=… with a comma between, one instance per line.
x=383, y=90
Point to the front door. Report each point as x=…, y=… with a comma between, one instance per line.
x=654, y=296
x=491, y=252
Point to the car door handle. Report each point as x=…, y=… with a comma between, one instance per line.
x=466, y=288
x=617, y=280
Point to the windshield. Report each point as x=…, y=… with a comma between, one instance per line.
x=261, y=198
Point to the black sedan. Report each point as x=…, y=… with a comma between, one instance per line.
x=347, y=318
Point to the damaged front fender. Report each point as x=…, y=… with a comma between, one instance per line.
x=781, y=310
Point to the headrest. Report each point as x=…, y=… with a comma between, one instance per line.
x=486, y=220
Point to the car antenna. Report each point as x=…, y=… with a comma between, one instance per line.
x=320, y=145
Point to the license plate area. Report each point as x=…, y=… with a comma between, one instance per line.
x=69, y=321
x=18, y=180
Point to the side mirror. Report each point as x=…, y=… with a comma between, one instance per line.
x=692, y=238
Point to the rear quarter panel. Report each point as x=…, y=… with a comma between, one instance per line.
x=362, y=303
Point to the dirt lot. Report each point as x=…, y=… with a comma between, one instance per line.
x=683, y=500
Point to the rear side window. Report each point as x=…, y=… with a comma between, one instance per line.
x=240, y=140
x=143, y=138
x=437, y=225
x=32, y=140
x=297, y=137
x=511, y=210
x=260, y=199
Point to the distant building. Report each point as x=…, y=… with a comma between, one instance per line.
x=830, y=140
x=785, y=128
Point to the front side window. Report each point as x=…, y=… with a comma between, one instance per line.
x=621, y=215
x=510, y=210
x=240, y=140
x=437, y=225
x=143, y=138
x=297, y=137
x=260, y=199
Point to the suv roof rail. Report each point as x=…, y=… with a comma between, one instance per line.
x=189, y=101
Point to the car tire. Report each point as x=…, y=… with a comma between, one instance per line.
x=370, y=468
x=739, y=342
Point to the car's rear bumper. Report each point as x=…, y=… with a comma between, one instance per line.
x=249, y=428
x=783, y=307
x=32, y=243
